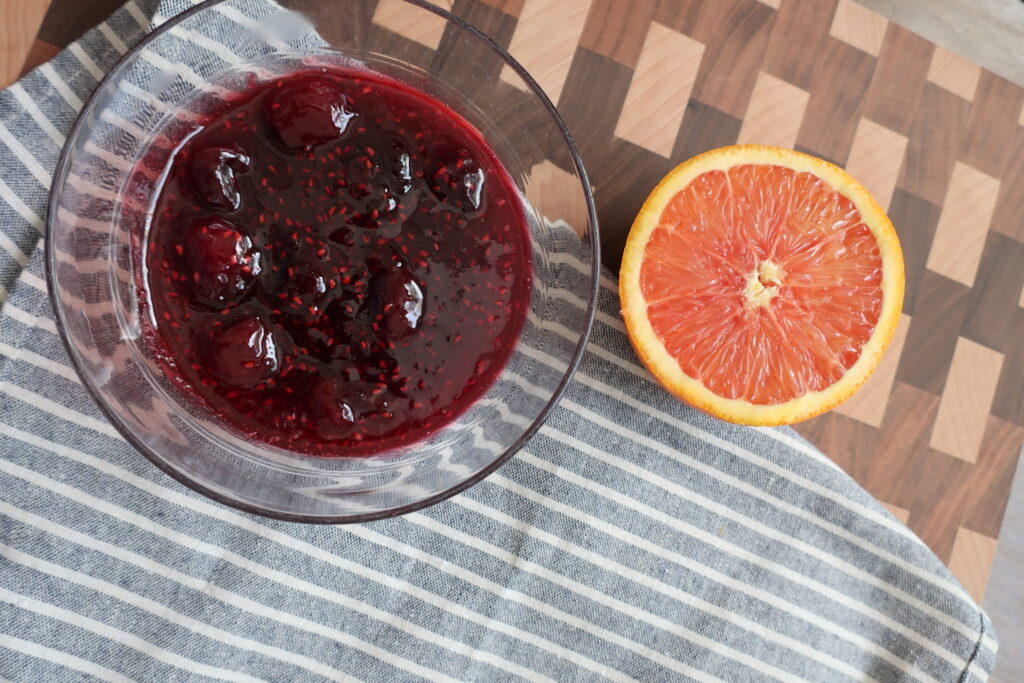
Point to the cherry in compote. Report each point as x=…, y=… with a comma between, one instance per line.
x=338, y=264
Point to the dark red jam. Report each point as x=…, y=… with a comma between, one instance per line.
x=337, y=263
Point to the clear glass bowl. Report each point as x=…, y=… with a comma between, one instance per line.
x=99, y=210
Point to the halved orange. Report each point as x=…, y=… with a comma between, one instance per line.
x=760, y=284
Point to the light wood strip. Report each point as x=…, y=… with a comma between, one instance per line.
x=19, y=24
x=964, y=223
x=774, y=4
x=425, y=28
x=661, y=87
x=966, y=400
x=971, y=560
x=774, y=114
x=547, y=59
x=869, y=403
x=954, y=73
x=876, y=158
x=858, y=26
x=546, y=188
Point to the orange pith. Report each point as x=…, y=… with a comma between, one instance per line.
x=761, y=284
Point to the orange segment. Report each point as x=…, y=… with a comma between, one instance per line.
x=761, y=284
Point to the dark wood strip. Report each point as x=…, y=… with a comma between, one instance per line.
x=1009, y=399
x=915, y=220
x=933, y=142
x=510, y=7
x=704, y=128
x=798, y=40
x=993, y=120
x=993, y=299
x=495, y=23
x=40, y=52
x=692, y=17
x=593, y=127
x=617, y=202
x=899, y=78
x=903, y=436
x=1008, y=217
x=992, y=476
x=733, y=56
x=617, y=28
x=839, y=85
x=939, y=313
x=67, y=20
x=851, y=444
x=470, y=66
x=941, y=494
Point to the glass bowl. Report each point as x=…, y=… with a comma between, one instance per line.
x=99, y=211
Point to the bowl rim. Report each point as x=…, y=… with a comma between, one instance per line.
x=115, y=420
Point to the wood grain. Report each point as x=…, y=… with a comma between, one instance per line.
x=954, y=73
x=966, y=400
x=839, y=85
x=971, y=560
x=736, y=43
x=992, y=476
x=940, y=117
x=993, y=122
x=19, y=23
x=915, y=220
x=596, y=140
x=990, y=306
x=899, y=513
x=618, y=30
x=67, y=19
x=859, y=27
x=899, y=78
x=869, y=403
x=876, y=158
x=657, y=98
x=1009, y=400
x=1008, y=218
x=941, y=494
x=548, y=61
x=798, y=40
x=904, y=434
x=421, y=27
x=704, y=128
x=466, y=65
x=774, y=113
x=939, y=311
x=40, y=52
x=966, y=216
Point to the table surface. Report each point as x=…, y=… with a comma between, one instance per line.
x=645, y=84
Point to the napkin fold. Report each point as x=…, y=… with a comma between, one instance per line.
x=632, y=538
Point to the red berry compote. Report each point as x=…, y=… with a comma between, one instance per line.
x=337, y=264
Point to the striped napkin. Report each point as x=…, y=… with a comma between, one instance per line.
x=633, y=538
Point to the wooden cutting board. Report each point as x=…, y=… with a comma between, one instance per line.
x=645, y=84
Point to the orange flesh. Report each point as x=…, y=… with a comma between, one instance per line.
x=764, y=283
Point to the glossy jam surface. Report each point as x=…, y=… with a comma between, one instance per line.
x=337, y=264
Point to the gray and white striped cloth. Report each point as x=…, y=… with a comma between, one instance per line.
x=633, y=538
